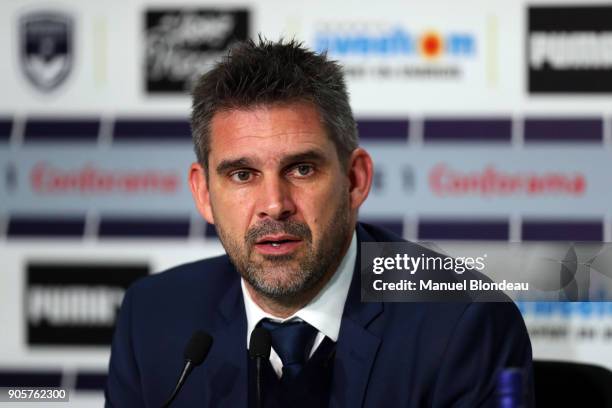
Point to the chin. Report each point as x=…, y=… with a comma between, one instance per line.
x=281, y=288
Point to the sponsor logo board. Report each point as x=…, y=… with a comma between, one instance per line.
x=182, y=44
x=569, y=49
x=396, y=50
x=75, y=303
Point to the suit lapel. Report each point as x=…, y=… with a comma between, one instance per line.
x=227, y=377
x=357, y=347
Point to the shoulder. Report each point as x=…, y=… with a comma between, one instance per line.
x=437, y=335
x=187, y=276
x=451, y=318
x=448, y=330
x=197, y=285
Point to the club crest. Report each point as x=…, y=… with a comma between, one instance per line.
x=46, y=48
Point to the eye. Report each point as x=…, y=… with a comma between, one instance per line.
x=303, y=170
x=241, y=176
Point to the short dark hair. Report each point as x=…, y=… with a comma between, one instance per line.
x=268, y=73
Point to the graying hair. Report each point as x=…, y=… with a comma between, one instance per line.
x=269, y=73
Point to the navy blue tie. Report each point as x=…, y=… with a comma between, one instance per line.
x=293, y=342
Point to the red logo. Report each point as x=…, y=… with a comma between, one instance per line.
x=88, y=179
x=490, y=181
x=431, y=44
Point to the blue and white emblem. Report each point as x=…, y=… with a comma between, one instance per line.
x=46, y=48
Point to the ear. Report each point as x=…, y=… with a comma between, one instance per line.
x=199, y=190
x=360, y=173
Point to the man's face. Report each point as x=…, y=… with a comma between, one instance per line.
x=278, y=196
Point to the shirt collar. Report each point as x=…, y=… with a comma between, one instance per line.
x=324, y=311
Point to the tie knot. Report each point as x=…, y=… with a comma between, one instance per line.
x=293, y=342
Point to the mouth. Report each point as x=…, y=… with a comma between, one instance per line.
x=277, y=244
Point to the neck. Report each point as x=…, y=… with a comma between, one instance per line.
x=287, y=307
x=281, y=308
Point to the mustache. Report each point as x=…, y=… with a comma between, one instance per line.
x=267, y=227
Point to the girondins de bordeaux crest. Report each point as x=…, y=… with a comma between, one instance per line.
x=46, y=48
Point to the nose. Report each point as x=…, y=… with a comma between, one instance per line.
x=276, y=200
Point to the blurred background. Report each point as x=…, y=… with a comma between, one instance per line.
x=487, y=120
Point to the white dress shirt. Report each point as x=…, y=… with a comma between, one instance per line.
x=324, y=312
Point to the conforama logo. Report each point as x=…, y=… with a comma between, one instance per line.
x=395, y=42
x=491, y=182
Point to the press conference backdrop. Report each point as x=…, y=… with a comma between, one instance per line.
x=487, y=121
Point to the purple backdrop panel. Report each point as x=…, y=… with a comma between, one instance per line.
x=497, y=230
x=379, y=129
x=467, y=130
x=210, y=231
x=6, y=126
x=52, y=130
x=144, y=130
x=590, y=230
x=23, y=226
x=115, y=227
x=563, y=130
x=90, y=381
x=30, y=378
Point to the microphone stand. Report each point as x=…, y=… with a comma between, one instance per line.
x=186, y=370
x=258, y=382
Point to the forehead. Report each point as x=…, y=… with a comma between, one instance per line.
x=267, y=131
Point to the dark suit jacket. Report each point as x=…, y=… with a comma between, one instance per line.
x=387, y=354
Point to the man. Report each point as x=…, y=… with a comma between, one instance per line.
x=281, y=176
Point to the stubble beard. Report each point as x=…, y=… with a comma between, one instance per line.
x=284, y=278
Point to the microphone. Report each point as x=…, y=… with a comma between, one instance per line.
x=196, y=351
x=259, y=349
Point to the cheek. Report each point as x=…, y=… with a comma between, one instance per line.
x=318, y=206
x=232, y=212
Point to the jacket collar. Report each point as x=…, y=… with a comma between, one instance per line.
x=226, y=382
x=362, y=313
x=357, y=347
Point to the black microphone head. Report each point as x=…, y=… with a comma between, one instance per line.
x=260, y=344
x=198, y=347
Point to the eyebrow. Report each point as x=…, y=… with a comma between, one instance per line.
x=313, y=155
x=233, y=164
x=310, y=155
